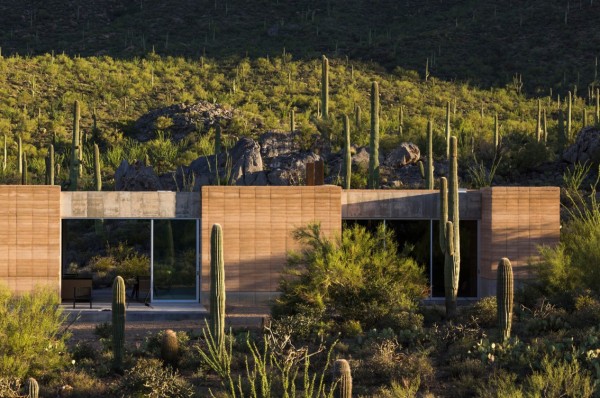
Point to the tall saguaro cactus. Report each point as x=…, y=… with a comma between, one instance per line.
x=97, y=175
x=347, y=155
x=50, y=165
x=118, y=323
x=496, y=132
x=373, y=179
x=569, y=114
x=343, y=375
x=20, y=158
x=538, y=129
x=325, y=87
x=598, y=106
x=429, y=176
x=75, y=148
x=504, y=296
x=448, y=130
x=450, y=217
x=217, y=286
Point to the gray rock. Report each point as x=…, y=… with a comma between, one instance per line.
x=246, y=162
x=185, y=119
x=407, y=153
x=136, y=177
x=586, y=147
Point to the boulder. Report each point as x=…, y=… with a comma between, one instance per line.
x=586, y=147
x=136, y=177
x=407, y=153
x=184, y=119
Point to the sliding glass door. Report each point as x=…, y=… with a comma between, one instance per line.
x=175, y=265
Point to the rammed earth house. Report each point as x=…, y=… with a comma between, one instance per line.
x=257, y=223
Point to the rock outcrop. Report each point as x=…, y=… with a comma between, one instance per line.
x=586, y=147
x=136, y=177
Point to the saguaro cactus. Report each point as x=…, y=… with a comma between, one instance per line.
x=97, y=175
x=75, y=148
x=429, y=176
x=347, y=155
x=598, y=106
x=538, y=129
x=569, y=114
x=292, y=121
x=20, y=158
x=118, y=323
x=449, y=200
x=217, y=286
x=373, y=179
x=33, y=389
x=217, y=151
x=24, y=175
x=448, y=130
x=50, y=165
x=504, y=296
x=401, y=120
x=343, y=374
x=496, y=132
x=325, y=87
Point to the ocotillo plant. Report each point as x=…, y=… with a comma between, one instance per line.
x=451, y=273
x=347, y=154
x=496, y=132
x=217, y=286
x=504, y=296
x=325, y=87
x=97, y=175
x=33, y=389
x=74, y=170
x=118, y=323
x=448, y=130
x=343, y=375
x=217, y=151
x=429, y=176
x=569, y=113
x=292, y=121
x=373, y=179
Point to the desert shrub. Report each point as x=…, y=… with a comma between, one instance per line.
x=559, y=378
x=359, y=276
x=587, y=311
x=400, y=389
x=501, y=385
x=9, y=387
x=148, y=378
x=485, y=311
x=32, y=342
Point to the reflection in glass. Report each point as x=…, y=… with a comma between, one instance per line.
x=174, y=260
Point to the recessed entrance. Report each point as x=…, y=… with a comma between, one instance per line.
x=159, y=259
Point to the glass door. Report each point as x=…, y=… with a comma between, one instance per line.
x=175, y=260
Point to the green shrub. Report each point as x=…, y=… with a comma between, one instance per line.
x=32, y=339
x=359, y=276
x=558, y=378
x=484, y=311
x=148, y=378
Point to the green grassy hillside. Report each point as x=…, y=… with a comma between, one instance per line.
x=551, y=43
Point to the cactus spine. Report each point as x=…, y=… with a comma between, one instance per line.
x=429, y=176
x=75, y=149
x=505, y=293
x=325, y=87
x=448, y=130
x=373, y=179
x=118, y=323
x=569, y=113
x=343, y=374
x=169, y=348
x=449, y=200
x=217, y=286
x=97, y=175
x=292, y=121
x=33, y=389
x=347, y=155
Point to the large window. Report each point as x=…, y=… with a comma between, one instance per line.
x=420, y=240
